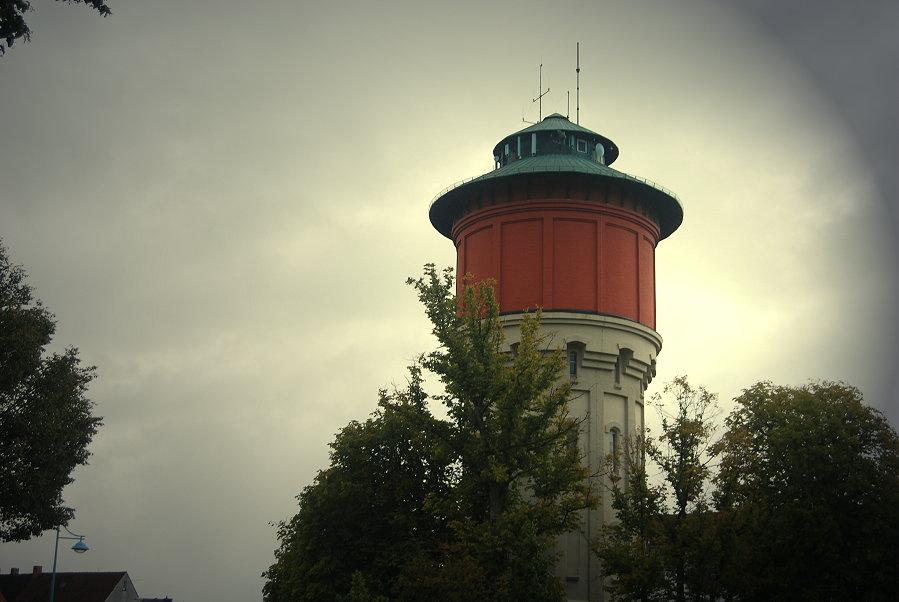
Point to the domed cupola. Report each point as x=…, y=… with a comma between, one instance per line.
x=555, y=153
x=555, y=135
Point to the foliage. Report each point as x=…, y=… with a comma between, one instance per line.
x=506, y=560
x=521, y=482
x=12, y=18
x=810, y=476
x=448, y=573
x=631, y=549
x=366, y=513
x=462, y=508
x=682, y=453
x=805, y=501
x=359, y=591
x=45, y=418
x=659, y=549
x=511, y=430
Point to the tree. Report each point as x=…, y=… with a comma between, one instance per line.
x=521, y=483
x=631, y=549
x=367, y=513
x=663, y=546
x=12, y=18
x=46, y=422
x=809, y=483
x=682, y=452
x=468, y=507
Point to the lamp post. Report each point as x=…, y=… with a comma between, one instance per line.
x=80, y=548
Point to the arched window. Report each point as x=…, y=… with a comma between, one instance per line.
x=574, y=355
x=614, y=441
x=614, y=436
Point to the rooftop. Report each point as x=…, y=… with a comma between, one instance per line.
x=70, y=587
x=555, y=145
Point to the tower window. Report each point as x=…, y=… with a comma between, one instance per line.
x=581, y=146
x=614, y=441
x=615, y=448
x=574, y=354
x=573, y=435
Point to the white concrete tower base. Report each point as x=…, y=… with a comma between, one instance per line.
x=611, y=361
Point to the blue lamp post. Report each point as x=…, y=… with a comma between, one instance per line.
x=80, y=548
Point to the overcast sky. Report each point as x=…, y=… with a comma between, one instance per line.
x=220, y=202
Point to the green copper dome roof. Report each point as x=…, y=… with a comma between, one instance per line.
x=560, y=123
x=555, y=146
x=561, y=162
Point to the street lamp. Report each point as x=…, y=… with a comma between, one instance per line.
x=80, y=548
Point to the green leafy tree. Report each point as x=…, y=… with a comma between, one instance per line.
x=448, y=573
x=12, y=18
x=663, y=546
x=46, y=420
x=359, y=591
x=367, y=514
x=682, y=452
x=809, y=487
x=631, y=549
x=463, y=508
x=521, y=483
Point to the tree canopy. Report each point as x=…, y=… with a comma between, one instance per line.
x=12, y=18
x=46, y=420
x=464, y=507
x=810, y=476
x=367, y=512
x=804, y=504
x=659, y=549
x=511, y=429
x=631, y=549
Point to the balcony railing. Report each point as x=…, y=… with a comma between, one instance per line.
x=544, y=168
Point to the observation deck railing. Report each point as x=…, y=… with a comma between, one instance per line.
x=557, y=169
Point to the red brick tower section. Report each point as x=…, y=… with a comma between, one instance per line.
x=559, y=229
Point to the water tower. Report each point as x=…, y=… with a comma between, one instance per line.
x=557, y=228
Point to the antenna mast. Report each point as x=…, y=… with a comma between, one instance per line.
x=540, y=95
x=578, y=78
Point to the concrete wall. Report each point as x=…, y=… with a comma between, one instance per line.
x=615, y=361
